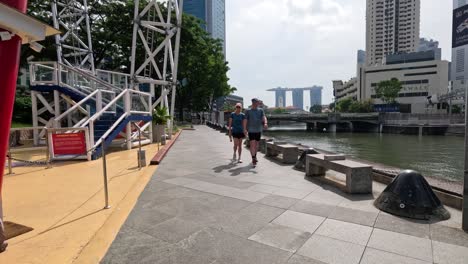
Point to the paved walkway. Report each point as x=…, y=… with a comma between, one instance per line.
x=200, y=208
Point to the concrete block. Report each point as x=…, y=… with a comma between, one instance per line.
x=335, y=157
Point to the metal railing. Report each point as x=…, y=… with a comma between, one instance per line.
x=117, y=79
x=109, y=91
x=127, y=96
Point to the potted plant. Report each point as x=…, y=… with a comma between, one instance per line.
x=160, y=118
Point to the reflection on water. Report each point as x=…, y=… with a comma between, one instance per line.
x=436, y=156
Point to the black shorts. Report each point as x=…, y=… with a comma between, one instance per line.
x=255, y=136
x=238, y=135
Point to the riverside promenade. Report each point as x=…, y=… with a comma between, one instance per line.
x=201, y=208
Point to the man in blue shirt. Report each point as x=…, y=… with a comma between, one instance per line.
x=254, y=123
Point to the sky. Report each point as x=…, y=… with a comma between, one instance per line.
x=300, y=43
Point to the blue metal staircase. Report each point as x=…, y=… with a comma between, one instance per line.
x=106, y=120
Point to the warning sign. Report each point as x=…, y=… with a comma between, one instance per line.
x=69, y=143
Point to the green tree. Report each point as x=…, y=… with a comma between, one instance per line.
x=279, y=110
x=355, y=107
x=316, y=109
x=388, y=90
x=344, y=105
x=456, y=109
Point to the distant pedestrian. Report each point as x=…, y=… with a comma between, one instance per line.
x=236, y=131
x=255, y=122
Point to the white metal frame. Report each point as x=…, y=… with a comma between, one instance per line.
x=72, y=16
x=152, y=21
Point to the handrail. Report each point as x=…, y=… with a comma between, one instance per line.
x=116, y=123
x=97, y=80
x=112, y=72
x=71, y=109
x=139, y=92
x=98, y=114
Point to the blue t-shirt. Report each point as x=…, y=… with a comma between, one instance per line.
x=237, y=120
x=254, y=120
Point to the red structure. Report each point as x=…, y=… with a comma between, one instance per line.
x=9, y=57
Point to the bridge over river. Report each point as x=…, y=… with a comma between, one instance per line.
x=371, y=122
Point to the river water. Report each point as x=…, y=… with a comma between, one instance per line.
x=437, y=156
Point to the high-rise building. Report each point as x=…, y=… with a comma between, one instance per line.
x=212, y=12
x=392, y=26
x=430, y=45
x=298, y=99
x=280, y=98
x=361, y=57
x=316, y=95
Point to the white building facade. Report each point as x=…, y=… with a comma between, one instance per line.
x=392, y=26
x=420, y=80
x=343, y=90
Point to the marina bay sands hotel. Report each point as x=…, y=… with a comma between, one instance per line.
x=298, y=96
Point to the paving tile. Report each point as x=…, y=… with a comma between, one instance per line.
x=301, y=221
x=155, y=198
x=313, y=208
x=281, y=237
x=449, y=254
x=180, y=181
x=260, y=212
x=145, y=218
x=360, y=202
x=265, y=180
x=354, y=233
x=240, y=226
x=246, y=195
x=263, y=188
x=230, y=249
x=228, y=204
x=332, y=251
x=324, y=197
x=222, y=180
x=449, y=235
x=247, y=221
x=374, y=256
x=292, y=193
x=192, y=209
x=174, y=230
x=278, y=201
x=354, y=216
x=298, y=259
x=303, y=184
x=403, y=225
x=131, y=246
x=410, y=246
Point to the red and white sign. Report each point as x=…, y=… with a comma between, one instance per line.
x=69, y=143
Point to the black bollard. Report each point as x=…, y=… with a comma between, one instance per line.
x=410, y=195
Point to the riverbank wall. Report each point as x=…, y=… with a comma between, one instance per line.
x=389, y=123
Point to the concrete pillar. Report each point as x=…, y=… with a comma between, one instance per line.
x=332, y=127
x=420, y=130
x=380, y=128
x=351, y=127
